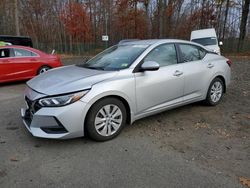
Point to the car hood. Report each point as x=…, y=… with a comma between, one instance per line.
x=68, y=79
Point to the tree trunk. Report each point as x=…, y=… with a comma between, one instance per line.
x=243, y=24
x=149, y=28
x=161, y=12
x=202, y=19
x=225, y=21
x=135, y=19
x=16, y=18
x=219, y=18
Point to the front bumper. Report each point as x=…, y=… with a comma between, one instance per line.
x=56, y=122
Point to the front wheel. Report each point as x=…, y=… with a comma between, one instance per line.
x=106, y=119
x=215, y=92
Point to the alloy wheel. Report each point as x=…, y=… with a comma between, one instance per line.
x=216, y=91
x=108, y=120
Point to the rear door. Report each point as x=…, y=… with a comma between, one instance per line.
x=161, y=88
x=195, y=71
x=25, y=62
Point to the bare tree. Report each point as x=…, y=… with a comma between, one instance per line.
x=42, y=21
x=16, y=18
x=225, y=21
x=245, y=12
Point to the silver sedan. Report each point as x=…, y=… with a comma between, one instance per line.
x=122, y=84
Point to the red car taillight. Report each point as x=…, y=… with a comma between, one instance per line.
x=229, y=62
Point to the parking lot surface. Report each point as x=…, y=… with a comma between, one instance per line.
x=191, y=146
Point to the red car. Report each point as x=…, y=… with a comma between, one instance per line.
x=22, y=63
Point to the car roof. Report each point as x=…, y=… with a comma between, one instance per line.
x=161, y=41
x=156, y=41
x=25, y=48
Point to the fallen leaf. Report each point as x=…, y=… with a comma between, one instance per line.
x=233, y=117
x=245, y=93
x=37, y=145
x=199, y=125
x=245, y=181
x=12, y=128
x=14, y=159
x=228, y=147
x=3, y=173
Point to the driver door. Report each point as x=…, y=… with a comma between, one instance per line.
x=159, y=89
x=6, y=69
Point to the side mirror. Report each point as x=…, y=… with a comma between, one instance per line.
x=150, y=66
x=220, y=43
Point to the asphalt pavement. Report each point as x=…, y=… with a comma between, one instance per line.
x=165, y=150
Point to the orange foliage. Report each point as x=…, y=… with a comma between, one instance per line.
x=76, y=21
x=130, y=20
x=170, y=10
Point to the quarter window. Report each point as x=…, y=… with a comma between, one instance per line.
x=23, y=53
x=4, y=53
x=164, y=55
x=202, y=53
x=191, y=52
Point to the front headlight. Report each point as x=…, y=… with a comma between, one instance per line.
x=62, y=100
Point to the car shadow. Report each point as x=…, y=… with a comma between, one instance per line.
x=13, y=83
x=179, y=109
x=39, y=142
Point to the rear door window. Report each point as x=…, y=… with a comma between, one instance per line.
x=191, y=52
x=23, y=53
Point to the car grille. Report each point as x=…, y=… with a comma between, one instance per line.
x=33, y=105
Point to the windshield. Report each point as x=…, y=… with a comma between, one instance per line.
x=116, y=57
x=206, y=41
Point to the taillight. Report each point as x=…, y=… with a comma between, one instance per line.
x=229, y=62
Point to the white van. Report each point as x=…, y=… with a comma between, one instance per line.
x=208, y=38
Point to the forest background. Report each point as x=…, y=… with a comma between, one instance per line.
x=77, y=26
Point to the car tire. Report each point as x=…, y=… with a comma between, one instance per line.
x=105, y=119
x=43, y=69
x=215, y=92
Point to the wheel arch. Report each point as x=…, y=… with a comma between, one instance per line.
x=41, y=66
x=223, y=80
x=122, y=99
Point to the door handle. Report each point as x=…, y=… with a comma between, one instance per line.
x=178, y=73
x=210, y=65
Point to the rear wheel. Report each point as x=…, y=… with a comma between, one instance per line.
x=215, y=92
x=106, y=119
x=43, y=69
